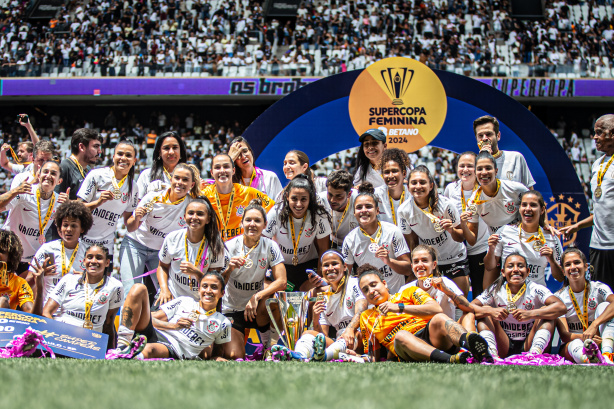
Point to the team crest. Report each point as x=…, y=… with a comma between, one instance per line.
x=240, y=210
x=182, y=222
x=528, y=305
x=349, y=303
x=213, y=326
x=510, y=175
x=510, y=207
x=310, y=232
x=563, y=211
x=262, y=262
x=125, y=197
x=592, y=303
x=104, y=297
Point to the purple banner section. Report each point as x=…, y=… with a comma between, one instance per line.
x=275, y=86
x=153, y=86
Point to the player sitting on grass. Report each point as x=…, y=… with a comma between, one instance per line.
x=589, y=316
x=339, y=306
x=15, y=293
x=182, y=329
x=411, y=325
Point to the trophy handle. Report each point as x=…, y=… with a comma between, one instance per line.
x=270, y=301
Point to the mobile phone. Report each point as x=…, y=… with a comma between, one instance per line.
x=51, y=258
x=21, y=118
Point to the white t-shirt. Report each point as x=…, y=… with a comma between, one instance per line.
x=70, y=295
x=23, y=220
x=244, y=282
x=163, y=219
x=602, y=237
x=536, y=264
x=501, y=209
x=512, y=166
x=283, y=236
x=173, y=253
x=268, y=184
x=356, y=250
x=452, y=192
x=383, y=203
x=533, y=298
x=55, y=247
x=110, y=212
x=189, y=342
x=21, y=176
x=373, y=176
x=446, y=303
x=17, y=168
x=349, y=222
x=339, y=312
x=145, y=185
x=412, y=218
x=597, y=294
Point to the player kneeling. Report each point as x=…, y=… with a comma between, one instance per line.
x=182, y=329
x=411, y=325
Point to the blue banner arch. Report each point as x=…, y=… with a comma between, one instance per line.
x=315, y=119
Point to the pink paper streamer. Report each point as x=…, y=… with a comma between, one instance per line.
x=114, y=354
x=529, y=359
x=25, y=345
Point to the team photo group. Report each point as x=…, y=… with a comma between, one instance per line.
x=389, y=266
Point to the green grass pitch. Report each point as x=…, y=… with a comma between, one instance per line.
x=64, y=383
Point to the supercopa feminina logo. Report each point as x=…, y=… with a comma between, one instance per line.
x=397, y=82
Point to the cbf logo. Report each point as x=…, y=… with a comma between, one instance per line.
x=563, y=211
x=397, y=81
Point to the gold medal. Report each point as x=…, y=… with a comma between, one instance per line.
x=149, y=206
x=373, y=247
x=87, y=324
x=296, y=240
x=511, y=307
x=437, y=226
x=472, y=208
x=537, y=246
x=41, y=239
x=511, y=301
x=248, y=261
x=295, y=260
x=600, y=174
x=483, y=144
x=598, y=192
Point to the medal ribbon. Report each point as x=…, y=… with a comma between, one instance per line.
x=512, y=300
x=250, y=250
x=225, y=220
x=4, y=276
x=429, y=213
x=74, y=159
x=464, y=202
x=114, y=182
x=394, y=216
x=207, y=313
x=90, y=301
x=295, y=241
x=254, y=179
x=42, y=224
x=168, y=175
x=478, y=193
x=582, y=314
x=347, y=206
x=66, y=267
x=199, y=255
x=167, y=199
x=378, y=234
x=426, y=278
x=16, y=158
x=536, y=237
x=601, y=173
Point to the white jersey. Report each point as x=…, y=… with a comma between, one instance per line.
x=446, y=303
x=356, y=250
x=383, y=203
x=452, y=192
x=146, y=185
x=17, y=168
x=173, y=254
x=55, y=248
x=512, y=166
x=23, y=220
x=373, y=176
x=412, y=218
x=70, y=296
x=602, y=237
x=208, y=329
x=339, y=312
x=341, y=228
x=501, y=209
x=268, y=183
x=21, y=176
x=536, y=264
x=110, y=212
x=598, y=293
x=306, y=249
x=163, y=219
x=533, y=298
x=244, y=282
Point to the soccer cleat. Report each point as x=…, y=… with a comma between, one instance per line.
x=281, y=353
x=479, y=348
x=319, y=348
x=129, y=351
x=592, y=353
x=460, y=358
x=351, y=358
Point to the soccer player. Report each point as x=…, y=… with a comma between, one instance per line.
x=181, y=329
x=251, y=256
x=521, y=313
x=378, y=243
x=510, y=165
x=248, y=174
x=589, y=316
x=339, y=201
x=301, y=227
x=393, y=193
x=297, y=163
x=44, y=151
x=169, y=150
x=188, y=253
x=411, y=325
x=15, y=293
x=368, y=160
x=433, y=219
x=22, y=158
x=529, y=237
x=110, y=193
x=229, y=199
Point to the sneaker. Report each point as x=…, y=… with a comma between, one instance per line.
x=592, y=352
x=319, y=348
x=281, y=353
x=460, y=358
x=479, y=348
x=351, y=358
x=130, y=350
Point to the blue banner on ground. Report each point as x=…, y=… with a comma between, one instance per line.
x=63, y=339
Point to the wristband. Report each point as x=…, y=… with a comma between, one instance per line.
x=401, y=307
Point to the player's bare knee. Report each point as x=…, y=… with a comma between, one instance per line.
x=4, y=303
x=138, y=290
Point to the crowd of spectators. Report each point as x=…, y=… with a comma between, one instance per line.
x=233, y=38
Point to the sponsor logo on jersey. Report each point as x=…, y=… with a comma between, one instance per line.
x=213, y=326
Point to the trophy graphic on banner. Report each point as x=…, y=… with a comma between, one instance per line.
x=397, y=81
x=293, y=310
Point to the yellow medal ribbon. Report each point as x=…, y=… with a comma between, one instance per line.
x=394, y=216
x=250, y=250
x=478, y=194
x=89, y=302
x=601, y=173
x=464, y=202
x=195, y=314
x=582, y=314
x=74, y=159
x=434, y=219
x=538, y=238
x=168, y=175
x=497, y=155
x=225, y=220
x=511, y=301
x=199, y=254
x=43, y=223
x=16, y=158
x=378, y=234
x=251, y=179
x=167, y=198
x=295, y=240
x=347, y=206
x=116, y=185
x=66, y=267
x=4, y=274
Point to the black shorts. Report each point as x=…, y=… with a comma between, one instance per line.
x=476, y=273
x=454, y=270
x=153, y=338
x=425, y=335
x=296, y=274
x=516, y=346
x=603, y=263
x=239, y=322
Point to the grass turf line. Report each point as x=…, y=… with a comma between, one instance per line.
x=129, y=384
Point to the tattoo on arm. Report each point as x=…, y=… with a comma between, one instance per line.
x=360, y=308
x=459, y=300
x=454, y=330
x=127, y=315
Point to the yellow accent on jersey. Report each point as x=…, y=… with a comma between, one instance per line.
x=242, y=196
x=381, y=329
x=18, y=290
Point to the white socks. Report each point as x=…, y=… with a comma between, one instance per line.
x=124, y=335
x=489, y=336
x=265, y=337
x=332, y=352
x=304, y=346
x=540, y=341
x=606, y=330
x=574, y=348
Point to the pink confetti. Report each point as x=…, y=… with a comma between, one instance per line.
x=25, y=345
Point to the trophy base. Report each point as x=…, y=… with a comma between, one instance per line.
x=397, y=102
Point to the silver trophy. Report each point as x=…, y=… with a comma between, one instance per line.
x=293, y=310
